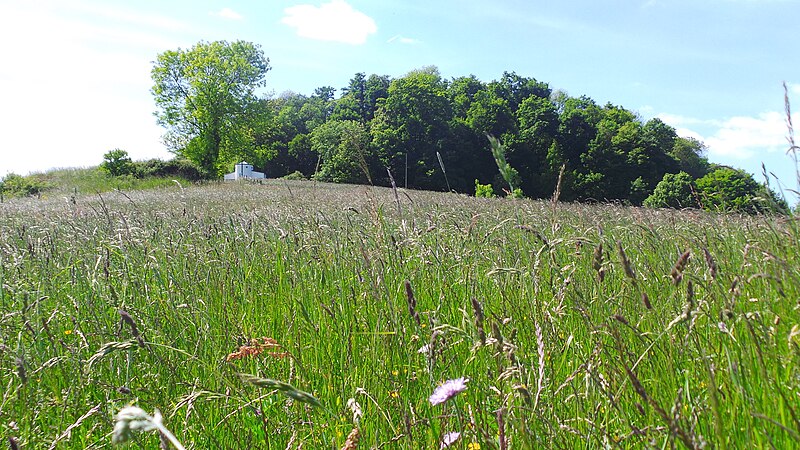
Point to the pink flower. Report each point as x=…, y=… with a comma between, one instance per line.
x=449, y=438
x=448, y=390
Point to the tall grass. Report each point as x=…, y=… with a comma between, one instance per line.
x=575, y=325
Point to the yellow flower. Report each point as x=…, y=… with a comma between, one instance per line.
x=394, y=394
x=68, y=332
x=473, y=446
x=395, y=373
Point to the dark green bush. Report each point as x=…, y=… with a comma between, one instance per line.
x=178, y=168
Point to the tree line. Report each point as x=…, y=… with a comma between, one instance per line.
x=423, y=131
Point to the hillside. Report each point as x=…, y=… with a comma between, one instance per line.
x=287, y=313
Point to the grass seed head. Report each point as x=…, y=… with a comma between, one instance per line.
x=626, y=263
x=646, y=301
x=477, y=309
x=352, y=440
x=284, y=388
x=677, y=270
x=412, y=302
x=126, y=318
x=712, y=265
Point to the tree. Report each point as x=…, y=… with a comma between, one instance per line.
x=117, y=163
x=537, y=121
x=341, y=145
x=411, y=126
x=690, y=154
x=728, y=189
x=203, y=95
x=673, y=191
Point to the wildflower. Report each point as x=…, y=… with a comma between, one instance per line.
x=449, y=439
x=257, y=347
x=473, y=446
x=448, y=390
x=355, y=408
x=67, y=332
x=394, y=394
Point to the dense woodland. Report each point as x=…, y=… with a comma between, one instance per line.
x=423, y=131
x=407, y=124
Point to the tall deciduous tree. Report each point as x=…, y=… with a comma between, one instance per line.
x=411, y=126
x=203, y=95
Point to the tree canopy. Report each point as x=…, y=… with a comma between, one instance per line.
x=205, y=97
x=430, y=133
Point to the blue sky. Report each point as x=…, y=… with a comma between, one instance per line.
x=75, y=76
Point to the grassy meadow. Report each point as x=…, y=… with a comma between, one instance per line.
x=289, y=314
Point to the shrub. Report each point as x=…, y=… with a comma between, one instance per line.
x=483, y=190
x=178, y=168
x=673, y=191
x=296, y=175
x=18, y=186
x=117, y=163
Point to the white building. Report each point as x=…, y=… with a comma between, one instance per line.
x=243, y=170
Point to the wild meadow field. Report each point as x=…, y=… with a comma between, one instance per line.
x=290, y=315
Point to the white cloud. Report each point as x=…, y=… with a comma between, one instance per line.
x=740, y=137
x=743, y=137
x=335, y=21
x=403, y=40
x=227, y=13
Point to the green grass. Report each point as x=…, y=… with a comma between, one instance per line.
x=568, y=360
x=67, y=183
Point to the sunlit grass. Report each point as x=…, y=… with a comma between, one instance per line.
x=319, y=272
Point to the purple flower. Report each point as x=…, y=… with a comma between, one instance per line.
x=449, y=439
x=448, y=390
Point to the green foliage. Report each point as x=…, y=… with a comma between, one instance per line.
x=203, y=96
x=728, y=189
x=341, y=146
x=690, y=154
x=411, y=126
x=296, y=175
x=639, y=191
x=177, y=167
x=14, y=185
x=673, y=191
x=483, y=190
x=117, y=163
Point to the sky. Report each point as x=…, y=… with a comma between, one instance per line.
x=75, y=74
